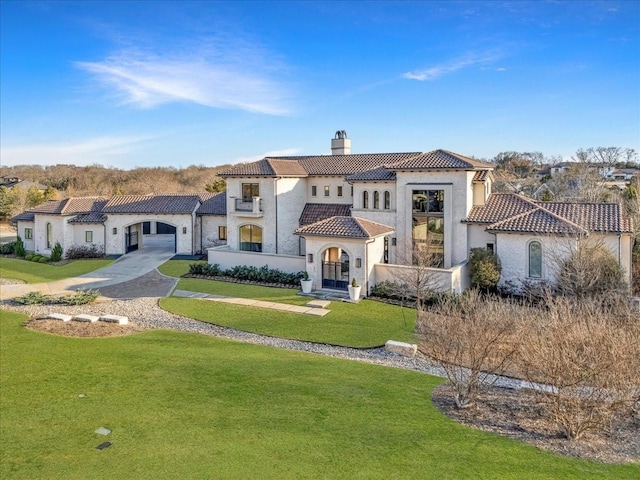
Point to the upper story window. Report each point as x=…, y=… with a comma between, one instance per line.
x=339, y=190
x=327, y=191
x=535, y=259
x=314, y=191
x=250, y=190
x=365, y=199
x=428, y=201
x=387, y=200
x=428, y=227
x=376, y=200
x=251, y=238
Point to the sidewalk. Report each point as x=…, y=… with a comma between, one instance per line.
x=316, y=311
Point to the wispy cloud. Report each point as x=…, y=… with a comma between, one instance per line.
x=103, y=150
x=274, y=153
x=211, y=73
x=434, y=72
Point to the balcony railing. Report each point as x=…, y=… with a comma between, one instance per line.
x=252, y=206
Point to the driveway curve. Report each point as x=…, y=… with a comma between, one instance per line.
x=126, y=270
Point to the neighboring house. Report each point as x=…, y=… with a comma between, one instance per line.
x=9, y=181
x=119, y=225
x=625, y=174
x=565, y=167
x=345, y=216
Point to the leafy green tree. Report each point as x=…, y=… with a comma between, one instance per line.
x=34, y=197
x=216, y=186
x=50, y=193
x=56, y=252
x=18, y=249
x=8, y=202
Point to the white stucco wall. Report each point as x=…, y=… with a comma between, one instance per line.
x=79, y=237
x=291, y=198
x=478, y=237
x=454, y=279
x=61, y=232
x=332, y=182
x=206, y=231
x=227, y=258
x=29, y=244
x=360, y=187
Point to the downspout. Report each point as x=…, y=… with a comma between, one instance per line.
x=366, y=266
x=275, y=189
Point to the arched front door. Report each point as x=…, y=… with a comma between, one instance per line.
x=335, y=269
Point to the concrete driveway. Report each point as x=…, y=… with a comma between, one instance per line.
x=126, y=269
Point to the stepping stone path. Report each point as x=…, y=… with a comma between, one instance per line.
x=318, y=303
x=86, y=318
x=60, y=316
x=119, y=319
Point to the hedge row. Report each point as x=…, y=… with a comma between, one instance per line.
x=244, y=272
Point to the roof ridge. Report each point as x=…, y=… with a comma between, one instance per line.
x=566, y=220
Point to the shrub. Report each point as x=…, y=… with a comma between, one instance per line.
x=485, y=269
x=29, y=256
x=43, y=260
x=80, y=297
x=75, y=252
x=56, y=252
x=19, y=247
x=7, y=248
x=243, y=272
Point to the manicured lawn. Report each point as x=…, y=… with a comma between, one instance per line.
x=189, y=406
x=367, y=324
x=177, y=268
x=32, y=272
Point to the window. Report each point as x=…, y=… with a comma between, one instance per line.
x=250, y=190
x=387, y=201
x=314, y=191
x=28, y=233
x=365, y=199
x=352, y=190
x=490, y=247
x=535, y=260
x=428, y=227
x=222, y=233
x=327, y=191
x=386, y=250
x=376, y=200
x=88, y=236
x=49, y=235
x=114, y=231
x=251, y=238
x=340, y=190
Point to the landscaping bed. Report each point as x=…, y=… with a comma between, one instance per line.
x=83, y=329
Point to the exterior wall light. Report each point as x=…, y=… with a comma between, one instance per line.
x=358, y=263
x=310, y=258
x=114, y=231
x=184, y=229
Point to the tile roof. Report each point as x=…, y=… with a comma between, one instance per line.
x=214, y=205
x=508, y=212
x=481, y=175
x=91, y=217
x=314, y=212
x=379, y=174
x=440, y=159
x=345, y=227
x=152, y=204
x=70, y=206
x=23, y=217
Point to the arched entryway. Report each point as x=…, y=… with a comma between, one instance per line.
x=335, y=269
x=150, y=234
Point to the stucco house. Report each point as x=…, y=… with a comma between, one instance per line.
x=343, y=216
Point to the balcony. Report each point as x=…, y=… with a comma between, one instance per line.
x=247, y=208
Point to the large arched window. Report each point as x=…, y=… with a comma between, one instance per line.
x=49, y=235
x=535, y=260
x=376, y=200
x=365, y=199
x=251, y=238
x=387, y=200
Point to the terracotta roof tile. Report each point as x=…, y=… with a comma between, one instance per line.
x=379, y=174
x=314, y=212
x=440, y=159
x=70, y=206
x=512, y=212
x=92, y=217
x=215, y=205
x=481, y=175
x=345, y=227
x=166, y=204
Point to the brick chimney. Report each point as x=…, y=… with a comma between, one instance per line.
x=340, y=144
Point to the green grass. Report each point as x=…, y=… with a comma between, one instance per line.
x=177, y=268
x=189, y=406
x=367, y=324
x=231, y=289
x=32, y=272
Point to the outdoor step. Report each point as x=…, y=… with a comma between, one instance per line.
x=401, y=348
x=60, y=316
x=86, y=318
x=318, y=303
x=119, y=319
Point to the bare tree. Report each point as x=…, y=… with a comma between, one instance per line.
x=421, y=280
x=472, y=337
x=588, y=356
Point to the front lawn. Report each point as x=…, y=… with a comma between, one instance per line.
x=190, y=406
x=177, y=268
x=367, y=324
x=33, y=272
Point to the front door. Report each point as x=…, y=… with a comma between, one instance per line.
x=335, y=275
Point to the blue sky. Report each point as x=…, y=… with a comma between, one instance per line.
x=127, y=84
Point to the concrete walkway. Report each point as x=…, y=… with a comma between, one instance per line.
x=249, y=302
x=126, y=269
